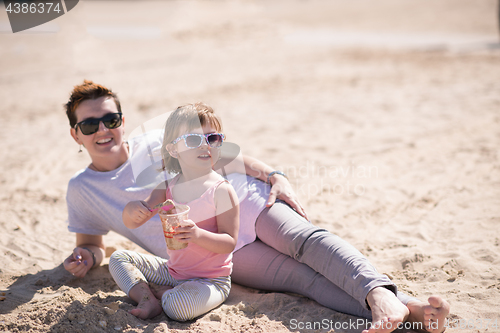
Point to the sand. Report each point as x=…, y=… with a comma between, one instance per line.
x=384, y=114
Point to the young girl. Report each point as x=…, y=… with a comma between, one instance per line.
x=195, y=279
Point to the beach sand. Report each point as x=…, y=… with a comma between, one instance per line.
x=384, y=114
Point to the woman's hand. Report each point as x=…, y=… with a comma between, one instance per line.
x=282, y=189
x=79, y=262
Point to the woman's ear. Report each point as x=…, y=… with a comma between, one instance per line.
x=171, y=150
x=75, y=136
x=123, y=124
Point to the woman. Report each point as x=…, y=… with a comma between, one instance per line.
x=289, y=255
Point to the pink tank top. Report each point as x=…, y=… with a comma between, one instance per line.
x=195, y=261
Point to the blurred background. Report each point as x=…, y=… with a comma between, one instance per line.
x=272, y=64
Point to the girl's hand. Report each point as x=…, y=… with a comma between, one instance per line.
x=282, y=189
x=188, y=232
x=136, y=213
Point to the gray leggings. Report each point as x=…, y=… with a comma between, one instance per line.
x=292, y=255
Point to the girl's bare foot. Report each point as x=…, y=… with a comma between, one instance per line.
x=432, y=314
x=148, y=305
x=158, y=290
x=387, y=311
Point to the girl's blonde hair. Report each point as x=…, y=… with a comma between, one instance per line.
x=187, y=118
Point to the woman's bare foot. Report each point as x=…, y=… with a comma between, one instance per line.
x=387, y=311
x=432, y=314
x=148, y=305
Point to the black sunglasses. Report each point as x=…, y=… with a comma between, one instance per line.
x=91, y=125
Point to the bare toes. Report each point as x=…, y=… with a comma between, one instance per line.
x=436, y=301
x=138, y=313
x=435, y=314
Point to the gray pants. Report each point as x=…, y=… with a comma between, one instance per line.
x=292, y=255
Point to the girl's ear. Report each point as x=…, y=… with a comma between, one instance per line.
x=171, y=150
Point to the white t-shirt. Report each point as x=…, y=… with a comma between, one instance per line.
x=96, y=200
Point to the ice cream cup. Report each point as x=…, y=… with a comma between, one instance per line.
x=171, y=222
